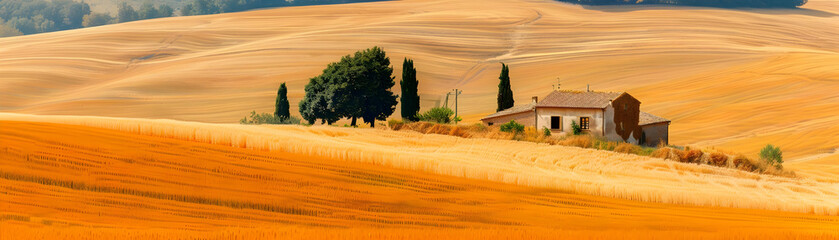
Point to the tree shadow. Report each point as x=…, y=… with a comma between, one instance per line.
x=769, y=11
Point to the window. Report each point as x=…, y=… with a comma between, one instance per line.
x=489, y=123
x=584, y=123
x=625, y=107
x=556, y=123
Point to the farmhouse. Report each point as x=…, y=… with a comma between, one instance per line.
x=613, y=115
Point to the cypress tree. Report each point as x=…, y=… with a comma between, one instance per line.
x=281, y=107
x=505, y=92
x=410, y=98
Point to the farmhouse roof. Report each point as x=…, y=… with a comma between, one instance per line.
x=579, y=99
x=512, y=110
x=645, y=118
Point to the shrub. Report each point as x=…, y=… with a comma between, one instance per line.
x=512, y=127
x=773, y=156
x=438, y=115
x=627, y=148
x=663, y=153
x=577, y=141
x=479, y=127
x=689, y=156
x=395, y=124
x=718, y=159
x=743, y=163
x=546, y=132
x=577, y=129
x=268, y=118
x=645, y=151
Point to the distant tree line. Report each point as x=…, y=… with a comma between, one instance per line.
x=127, y=13
x=702, y=3
x=37, y=16
x=22, y=17
x=203, y=7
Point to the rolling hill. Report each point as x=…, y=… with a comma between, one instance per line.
x=731, y=79
x=94, y=178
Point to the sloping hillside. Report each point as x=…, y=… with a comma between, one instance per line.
x=736, y=79
x=577, y=170
x=145, y=179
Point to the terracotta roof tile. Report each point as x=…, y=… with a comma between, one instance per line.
x=512, y=110
x=578, y=99
x=646, y=118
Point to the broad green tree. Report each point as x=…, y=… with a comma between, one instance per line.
x=357, y=86
x=377, y=78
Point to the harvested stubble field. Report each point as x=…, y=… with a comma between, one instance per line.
x=91, y=177
x=736, y=79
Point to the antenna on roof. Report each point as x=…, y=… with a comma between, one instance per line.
x=556, y=87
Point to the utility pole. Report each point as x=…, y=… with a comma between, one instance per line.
x=456, y=93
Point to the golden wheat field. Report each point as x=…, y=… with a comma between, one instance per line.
x=127, y=131
x=95, y=177
x=732, y=79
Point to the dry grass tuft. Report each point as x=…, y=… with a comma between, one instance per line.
x=743, y=163
x=663, y=153
x=719, y=159
x=577, y=141
x=627, y=148
x=688, y=155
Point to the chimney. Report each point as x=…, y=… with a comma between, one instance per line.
x=535, y=99
x=588, y=89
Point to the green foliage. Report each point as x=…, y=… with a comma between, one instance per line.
x=376, y=77
x=7, y=30
x=773, y=156
x=315, y=104
x=22, y=17
x=704, y=3
x=126, y=13
x=358, y=86
x=438, y=115
x=576, y=128
x=505, y=92
x=546, y=131
x=267, y=118
x=512, y=126
x=149, y=11
x=410, y=99
x=97, y=19
x=281, y=107
x=40, y=16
